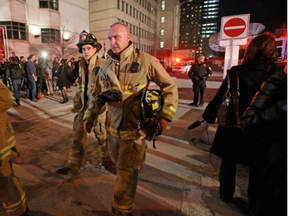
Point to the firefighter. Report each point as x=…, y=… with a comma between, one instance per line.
x=120, y=83
x=11, y=193
x=88, y=69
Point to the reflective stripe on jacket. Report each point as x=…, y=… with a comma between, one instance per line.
x=7, y=138
x=79, y=101
x=113, y=74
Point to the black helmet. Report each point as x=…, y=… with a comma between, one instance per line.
x=99, y=47
x=86, y=38
x=150, y=105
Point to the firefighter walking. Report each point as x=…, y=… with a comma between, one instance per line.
x=11, y=193
x=120, y=83
x=88, y=69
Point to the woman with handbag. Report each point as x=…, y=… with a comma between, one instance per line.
x=62, y=81
x=230, y=143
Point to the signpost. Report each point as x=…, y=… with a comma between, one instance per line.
x=234, y=32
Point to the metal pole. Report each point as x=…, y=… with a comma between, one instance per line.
x=231, y=54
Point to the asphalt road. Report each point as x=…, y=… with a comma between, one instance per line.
x=178, y=178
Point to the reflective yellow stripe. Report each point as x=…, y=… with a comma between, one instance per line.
x=13, y=207
x=126, y=135
x=74, y=160
x=124, y=209
x=110, y=88
x=168, y=112
x=114, y=132
x=87, y=114
x=171, y=108
x=127, y=90
x=7, y=150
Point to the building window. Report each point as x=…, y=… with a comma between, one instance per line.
x=16, y=30
x=52, y=4
x=162, y=44
x=123, y=6
x=163, y=6
x=162, y=19
x=118, y=4
x=50, y=35
x=162, y=32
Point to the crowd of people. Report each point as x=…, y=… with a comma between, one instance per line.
x=113, y=100
x=39, y=77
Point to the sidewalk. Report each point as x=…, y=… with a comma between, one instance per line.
x=177, y=178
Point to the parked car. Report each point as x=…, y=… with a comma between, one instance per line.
x=181, y=67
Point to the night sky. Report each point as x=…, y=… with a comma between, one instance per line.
x=271, y=13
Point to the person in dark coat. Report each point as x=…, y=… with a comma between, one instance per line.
x=62, y=81
x=199, y=73
x=266, y=119
x=231, y=144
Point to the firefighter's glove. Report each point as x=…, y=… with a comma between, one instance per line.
x=154, y=130
x=110, y=96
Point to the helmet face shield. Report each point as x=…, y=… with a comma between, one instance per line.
x=86, y=38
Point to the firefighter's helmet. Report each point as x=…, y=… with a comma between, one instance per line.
x=86, y=38
x=150, y=105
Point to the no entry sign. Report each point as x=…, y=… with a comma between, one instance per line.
x=235, y=27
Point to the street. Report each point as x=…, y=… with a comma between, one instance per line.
x=177, y=177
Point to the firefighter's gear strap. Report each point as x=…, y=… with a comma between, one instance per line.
x=154, y=131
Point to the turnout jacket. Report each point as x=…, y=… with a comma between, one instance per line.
x=79, y=100
x=7, y=137
x=123, y=117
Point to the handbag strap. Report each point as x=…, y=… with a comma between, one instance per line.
x=228, y=93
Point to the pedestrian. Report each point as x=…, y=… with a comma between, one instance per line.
x=32, y=75
x=266, y=118
x=14, y=55
x=12, y=195
x=4, y=66
x=48, y=75
x=88, y=66
x=62, y=80
x=16, y=73
x=127, y=71
x=231, y=144
x=26, y=87
x=54, y=72
x=40, y=83
x=70, y=74
x=199, y=73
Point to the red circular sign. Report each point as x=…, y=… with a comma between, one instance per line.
x=234, y=27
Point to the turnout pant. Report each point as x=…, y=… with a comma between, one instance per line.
x=128, y=155
x=11, y=193
x=80, y=136
x=199, y=86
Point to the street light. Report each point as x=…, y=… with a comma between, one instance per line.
x=176, y=21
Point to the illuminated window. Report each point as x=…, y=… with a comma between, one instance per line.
x=162, y=32
x=163, y=6
x=162, y=19
x=162, y=44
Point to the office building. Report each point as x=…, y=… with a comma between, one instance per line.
x=141, y=16
x=34, y=26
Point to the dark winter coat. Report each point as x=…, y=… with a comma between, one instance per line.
x=266, y=118
x=62, y=74
x=231, y=143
